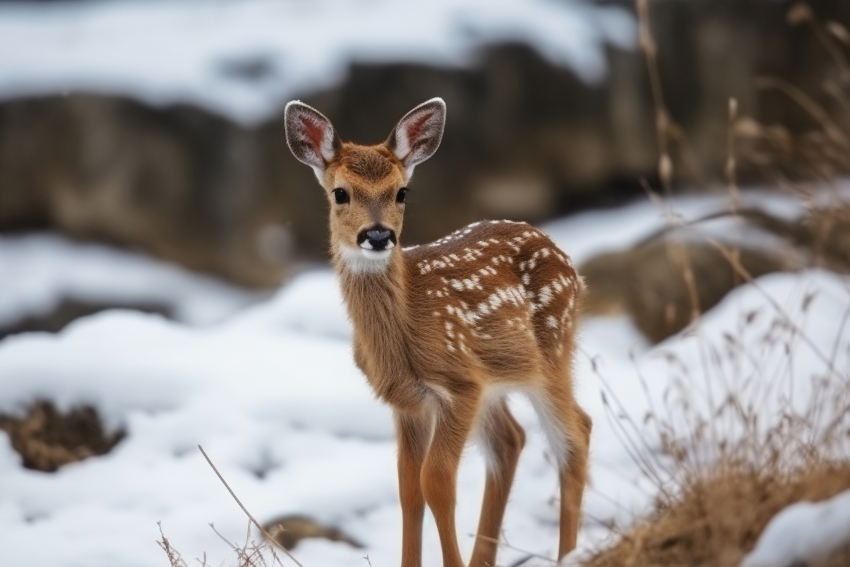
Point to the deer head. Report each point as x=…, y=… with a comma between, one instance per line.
x=365, y=185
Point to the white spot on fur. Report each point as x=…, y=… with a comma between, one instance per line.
x=545, y=295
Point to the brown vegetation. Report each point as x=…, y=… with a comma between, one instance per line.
x=718, y=517
x=46, y=438
x=723, y=488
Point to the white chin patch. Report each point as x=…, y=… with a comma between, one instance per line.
x=376, y=254
x=364, y=260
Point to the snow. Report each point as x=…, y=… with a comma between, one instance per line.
x=40, y=270
x=583, y=237
x=803, y=533
x=245, y=59
x=273, y=396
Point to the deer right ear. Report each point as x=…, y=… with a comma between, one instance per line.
x=310, y=136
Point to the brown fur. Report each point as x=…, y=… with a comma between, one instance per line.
x=442, y=333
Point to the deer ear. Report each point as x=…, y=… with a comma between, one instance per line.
x=417, y=136
x=310, y=136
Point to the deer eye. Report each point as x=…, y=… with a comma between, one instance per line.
x=401, y=194
x=340, y=195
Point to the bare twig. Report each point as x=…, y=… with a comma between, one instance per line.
x=247, y=513
x=731, y=164
x=508, y=546
x=816, y=111
x=174, y=557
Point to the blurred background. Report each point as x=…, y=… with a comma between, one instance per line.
x=144, y=166
x=156, y=126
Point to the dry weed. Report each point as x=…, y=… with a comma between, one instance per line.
x=47, y=439
x=742, y=434
x=250, y=553
x=717, y=518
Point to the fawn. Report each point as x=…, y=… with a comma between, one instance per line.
x=444, y=331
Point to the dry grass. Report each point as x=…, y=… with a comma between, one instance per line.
x=250, y=553
x=732, y=445
x=736, y=445
x=717, y=518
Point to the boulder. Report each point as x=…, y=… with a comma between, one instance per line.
x=648, y=282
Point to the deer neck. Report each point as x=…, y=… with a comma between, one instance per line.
x=378, y=307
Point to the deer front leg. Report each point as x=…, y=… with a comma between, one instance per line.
x=439, y=472
x=413, y=434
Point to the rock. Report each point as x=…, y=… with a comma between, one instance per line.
x=289, y=530
x=648, y=282
x=47, y=439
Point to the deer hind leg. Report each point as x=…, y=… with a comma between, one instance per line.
x=567, y=428
x=503, y=440
x=452, y=427
x=413, y=434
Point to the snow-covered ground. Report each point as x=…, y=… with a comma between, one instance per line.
x=273, y=396
x=39, y=271
x=803, y=532
x=247, y=58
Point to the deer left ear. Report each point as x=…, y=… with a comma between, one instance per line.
x=417, y=136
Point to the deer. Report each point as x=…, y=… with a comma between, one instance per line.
x=445, y=331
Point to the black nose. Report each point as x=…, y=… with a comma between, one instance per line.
x=375, y=236
x=378, y=237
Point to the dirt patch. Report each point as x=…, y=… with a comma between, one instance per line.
x=718, y=519
x=46, y=439
x=289, y=530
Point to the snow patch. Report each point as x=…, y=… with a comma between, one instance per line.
x=803, y=533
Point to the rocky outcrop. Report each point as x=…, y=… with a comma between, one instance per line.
x=649, y=281
x=524, y=140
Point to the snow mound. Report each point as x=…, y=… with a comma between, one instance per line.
x=803, y=533
x=38, y=271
